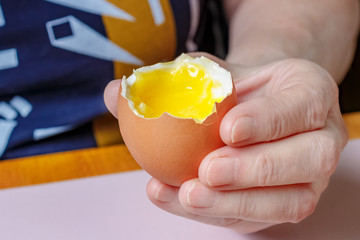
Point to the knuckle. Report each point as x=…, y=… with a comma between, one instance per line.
x=265, y=167
x=329, y=153
x=276, y=117
x=306, y=206
x=318, y=112
x=246, y=206
x=321, y=93
x=332, y=86
x=324, y=95
x=276, y=128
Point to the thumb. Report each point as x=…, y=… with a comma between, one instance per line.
x=111, y=96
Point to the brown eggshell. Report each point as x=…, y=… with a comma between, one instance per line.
x=169, y=148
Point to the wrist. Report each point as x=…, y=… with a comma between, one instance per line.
x=255, y=57
x=291, y=40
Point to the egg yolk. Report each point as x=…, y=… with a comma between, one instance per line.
x=185, y=91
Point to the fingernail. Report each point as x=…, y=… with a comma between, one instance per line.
x=221, y=171
x=242, y=129
x=198, y=196
x=165, y=193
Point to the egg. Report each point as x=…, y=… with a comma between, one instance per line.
x=170, y=113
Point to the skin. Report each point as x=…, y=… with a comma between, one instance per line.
x=284, y=138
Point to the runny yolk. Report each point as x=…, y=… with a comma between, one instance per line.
x=185, y=91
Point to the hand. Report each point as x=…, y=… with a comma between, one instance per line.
x=283, y=142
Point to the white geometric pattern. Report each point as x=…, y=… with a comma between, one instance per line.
x=21, y=105
x=157, y=12
x=2, y=18
x=99, y=7
x=42, y=133
x=6, y=128
x=8, y=112
x=87, y=41
x=8, y=58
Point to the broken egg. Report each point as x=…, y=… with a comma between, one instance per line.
x=170, y=113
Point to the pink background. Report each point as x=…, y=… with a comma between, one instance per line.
x=116, y=207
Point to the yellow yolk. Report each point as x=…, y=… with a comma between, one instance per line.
x=185, y=91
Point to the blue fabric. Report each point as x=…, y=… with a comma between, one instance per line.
x=182, y=27
x=61, y=90
x=64, y=88
x=79, y=138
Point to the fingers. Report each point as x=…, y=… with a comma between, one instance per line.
x=292, y=100
x=305, y=157
x=166, y=197
x=257, y=208
x=111, y=96
x=291, y=203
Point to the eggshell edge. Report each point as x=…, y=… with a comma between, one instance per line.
x=168, y=148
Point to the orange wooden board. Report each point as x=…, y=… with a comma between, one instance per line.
x=352, y=121
x=89, y=162
x=66, y=165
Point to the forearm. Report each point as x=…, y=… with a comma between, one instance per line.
x=323, y=31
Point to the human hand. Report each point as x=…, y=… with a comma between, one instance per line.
x=283, y=142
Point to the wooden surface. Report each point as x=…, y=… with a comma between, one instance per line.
x=352, y=121
x=89, y=162
x=66, y=165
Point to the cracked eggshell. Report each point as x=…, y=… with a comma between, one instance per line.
x=171, y=149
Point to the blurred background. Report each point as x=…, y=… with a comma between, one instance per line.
x=350, y=87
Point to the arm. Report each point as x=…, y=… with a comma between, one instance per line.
x=322, y=31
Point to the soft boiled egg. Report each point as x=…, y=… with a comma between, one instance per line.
x=170, y=113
